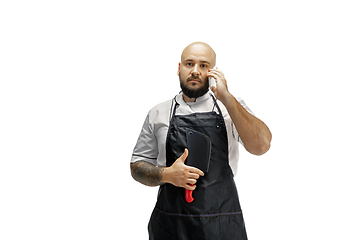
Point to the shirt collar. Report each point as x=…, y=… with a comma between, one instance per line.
x=180, y=100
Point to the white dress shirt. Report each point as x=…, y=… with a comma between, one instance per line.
x=150, y=146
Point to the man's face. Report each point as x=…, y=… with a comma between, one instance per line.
x=195, y=63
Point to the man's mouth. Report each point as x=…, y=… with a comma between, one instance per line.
x=194, y=80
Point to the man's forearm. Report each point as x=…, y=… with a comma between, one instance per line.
x=255, y=135
x=147, y=173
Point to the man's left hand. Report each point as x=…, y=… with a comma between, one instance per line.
x=221, y=90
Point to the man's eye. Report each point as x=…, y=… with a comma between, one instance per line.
x=189, y=64
x=203, y=66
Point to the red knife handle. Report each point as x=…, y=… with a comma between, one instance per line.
x=188, y=195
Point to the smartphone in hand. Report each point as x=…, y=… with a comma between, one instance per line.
x=212, y=80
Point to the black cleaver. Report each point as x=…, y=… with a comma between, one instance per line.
x=199, y=146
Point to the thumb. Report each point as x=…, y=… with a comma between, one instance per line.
x=184, y=155
x=213, y=89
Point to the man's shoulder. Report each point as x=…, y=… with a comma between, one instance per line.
x=160, y=109
x=166, y=105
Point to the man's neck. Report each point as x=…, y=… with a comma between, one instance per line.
x=187, y=99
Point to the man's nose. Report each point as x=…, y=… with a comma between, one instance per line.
x=195, y=70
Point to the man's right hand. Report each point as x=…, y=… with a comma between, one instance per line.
x=181, y=175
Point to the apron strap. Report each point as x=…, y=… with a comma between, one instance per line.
x=216, y=105
x=172, y=113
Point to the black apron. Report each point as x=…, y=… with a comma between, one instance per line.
x=215, y=213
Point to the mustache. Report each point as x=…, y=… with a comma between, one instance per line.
x=194, y=78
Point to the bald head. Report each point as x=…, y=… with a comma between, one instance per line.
x=199, y=49
x=197, y=60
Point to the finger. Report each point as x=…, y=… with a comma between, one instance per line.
x=196, y=170
x=213, y=76
x=187, y=186
x=194, y=175
x=216, y=72
x=213, y=89
x=184, y=155
x=217, y=77
x=191, y=181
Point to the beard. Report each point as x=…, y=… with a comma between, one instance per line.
x=194, y=93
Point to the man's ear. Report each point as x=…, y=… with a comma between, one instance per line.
x=178, y=73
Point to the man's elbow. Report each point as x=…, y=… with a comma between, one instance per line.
x=264, y=148
x=260, y=148
x=264, y=145
x=132, y=170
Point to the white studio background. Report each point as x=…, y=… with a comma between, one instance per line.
x=78, y=78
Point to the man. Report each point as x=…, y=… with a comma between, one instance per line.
x=160, y=153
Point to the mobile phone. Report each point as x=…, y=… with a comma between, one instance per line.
x=212, y=80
